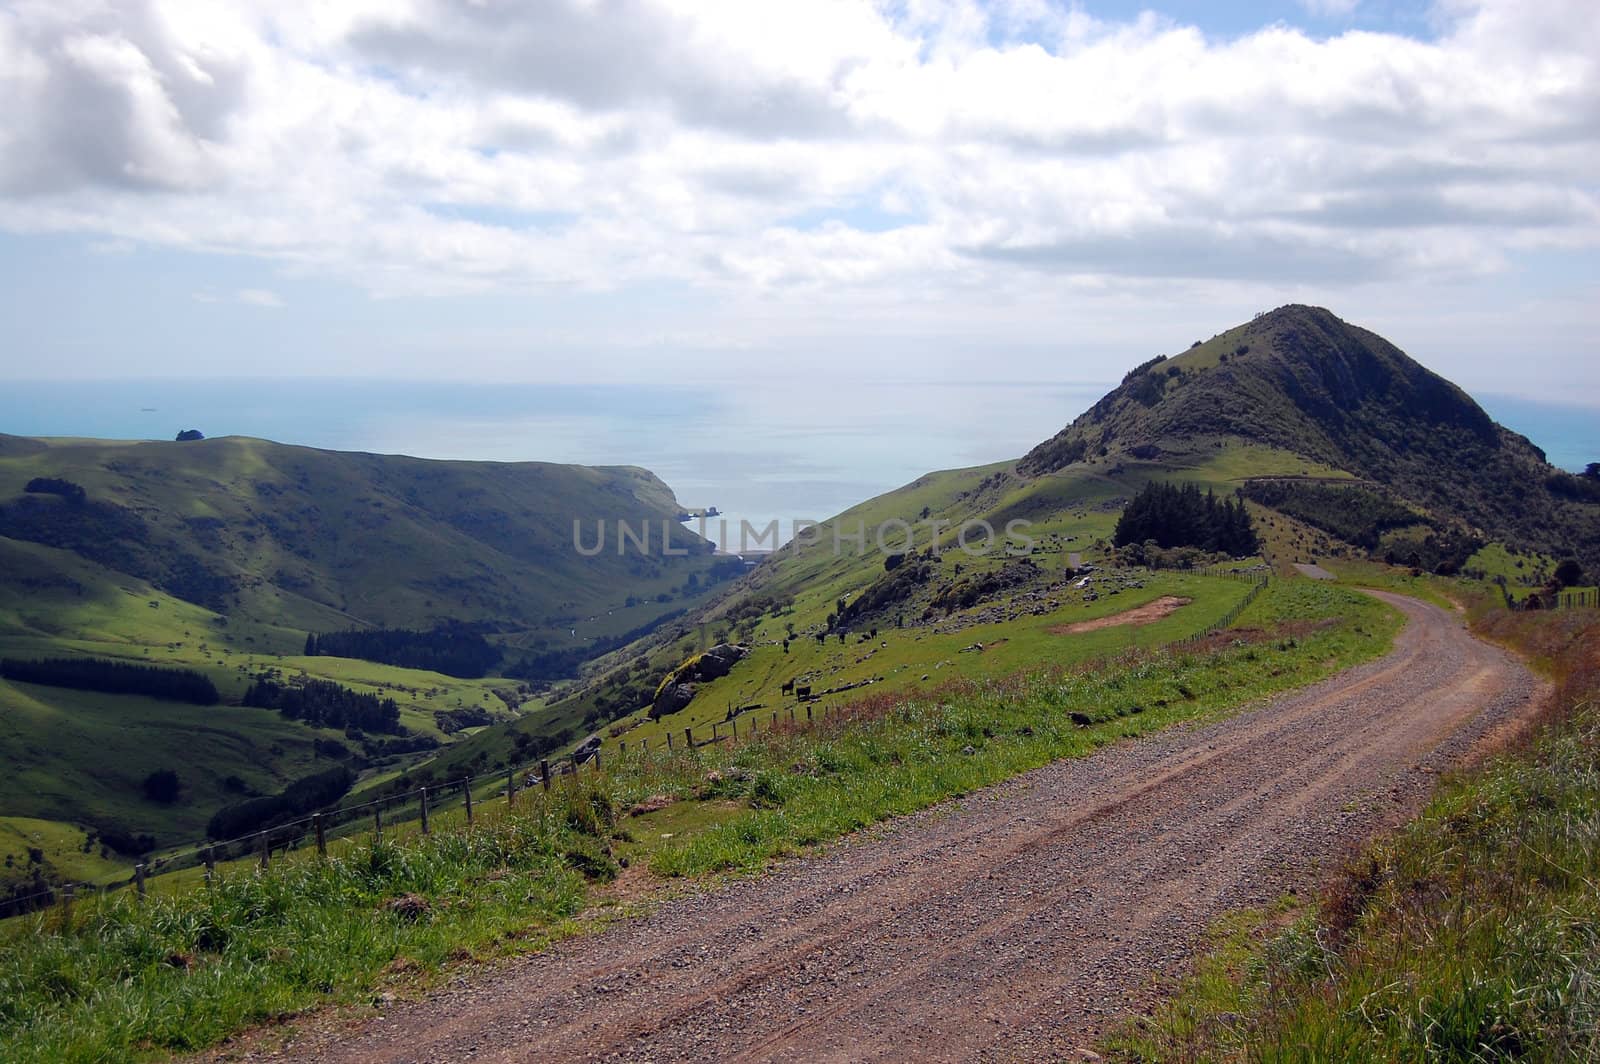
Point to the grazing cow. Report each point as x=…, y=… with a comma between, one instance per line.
x=788, y=688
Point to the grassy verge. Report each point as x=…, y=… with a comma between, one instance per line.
x=185, y=969
x=1473, y=934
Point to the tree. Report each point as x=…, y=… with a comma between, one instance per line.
x=1592, y=471
x=188, y=435
x=162, y=786
x=1569, y=573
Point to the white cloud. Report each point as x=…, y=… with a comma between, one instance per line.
x=838, y=155
x=259, y=297
x=1329, y=8
x=250, y=297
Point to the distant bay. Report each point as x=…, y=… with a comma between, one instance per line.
x=750, y=448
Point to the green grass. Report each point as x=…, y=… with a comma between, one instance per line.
x=67, y=851
x=192, y=965
x=121, y=979
x=1469, y=935
x=82, y=757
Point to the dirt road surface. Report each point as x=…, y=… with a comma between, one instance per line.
x=1014, y=924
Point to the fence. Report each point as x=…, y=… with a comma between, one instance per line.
x=419, y=805
x=1578, y=598
x=423, y=803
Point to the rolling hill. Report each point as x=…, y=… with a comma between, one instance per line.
x=224, y=555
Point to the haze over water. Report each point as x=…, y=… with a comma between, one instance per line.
x=755, y=451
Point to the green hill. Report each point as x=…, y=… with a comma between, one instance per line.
x=1301, y=380
x=223, y=555
x=317, y=540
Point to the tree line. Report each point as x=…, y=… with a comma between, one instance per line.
x=1174, y=516
x=452, y=649
x=115, y=677
x=56, y=486
x=1356, y=514
x=325, y=704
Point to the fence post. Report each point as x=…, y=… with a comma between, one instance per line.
x=669, y=742
x=377, y=823
x=422, y=793
x=266, y=852
x=511, y=786
x=466, y=788
x=597, y=766
x=544, y=773
x=322, y=837
x=622, y=748
x=735, y=723
x=791, y=714
x=211, y=864
x=714, y=736
x=68, y=891
x=688, y=738
x=138, y=878
x=808, y=712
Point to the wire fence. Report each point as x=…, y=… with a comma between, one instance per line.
x=468, y=793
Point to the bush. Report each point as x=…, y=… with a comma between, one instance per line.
x=162, y=786
x=56, y=486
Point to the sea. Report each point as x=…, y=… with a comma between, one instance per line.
x=755, y=451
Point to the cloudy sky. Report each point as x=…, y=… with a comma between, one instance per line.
x=581, y=189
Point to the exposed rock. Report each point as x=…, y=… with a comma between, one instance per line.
x=678, y=689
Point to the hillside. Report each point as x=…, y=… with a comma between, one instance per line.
x=224, y=555
x=1301, y=380
x=1345, y=447
x=314, y=540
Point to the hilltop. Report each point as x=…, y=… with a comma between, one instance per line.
x=1301, y=380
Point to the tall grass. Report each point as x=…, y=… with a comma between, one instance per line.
x=1473, y=934
x=116, y=976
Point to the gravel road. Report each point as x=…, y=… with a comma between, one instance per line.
x=1013, y=924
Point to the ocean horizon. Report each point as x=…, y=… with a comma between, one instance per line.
x=752, y=451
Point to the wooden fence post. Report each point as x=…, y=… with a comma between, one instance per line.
x=714, y=736
x=511, y=786
x=669, y=742
x=622, y=748
x=377, y=823
x=211, y=864
x=466, y=788
x=266, y=851
x=808, y=712
x=544, y=773
x=735, y=723
x=138, y=878
x=597, y=760
x=322, y=836
x=68, y=891
x=688, y=739
x=422, y=794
